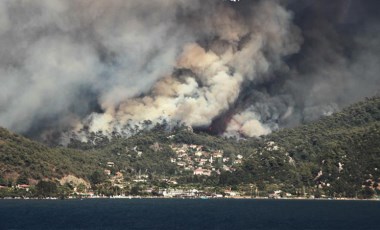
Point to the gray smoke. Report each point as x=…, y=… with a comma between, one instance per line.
x=336, y=66
x=244, y=67
x=61, y=60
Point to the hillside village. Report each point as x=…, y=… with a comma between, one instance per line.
x=195, y=160
x=337, y=156
x=201, y=161
x=190, y=161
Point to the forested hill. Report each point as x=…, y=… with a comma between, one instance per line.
x=336, y=155
x=23, y=158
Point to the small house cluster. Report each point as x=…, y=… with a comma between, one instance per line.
x=202, y=161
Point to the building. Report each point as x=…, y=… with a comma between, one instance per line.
x=202, y=172
x=181, y=164
x=23, y=186
x=198, y=154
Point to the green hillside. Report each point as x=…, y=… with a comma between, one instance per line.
x=21, y=157
x=338, y=155
x=344, y=147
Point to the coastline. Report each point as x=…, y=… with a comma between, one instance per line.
x=190, y=198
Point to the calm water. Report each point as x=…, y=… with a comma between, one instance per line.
x=188, y=214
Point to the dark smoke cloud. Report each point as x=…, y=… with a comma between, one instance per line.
x=245, y=67
x=336, y=65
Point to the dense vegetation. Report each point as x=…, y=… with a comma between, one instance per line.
x=338, y=155
x=20, y=157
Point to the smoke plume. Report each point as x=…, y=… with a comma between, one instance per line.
x=233, y=67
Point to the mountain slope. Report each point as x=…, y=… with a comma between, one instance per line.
x=20, y=156
x=336, y=155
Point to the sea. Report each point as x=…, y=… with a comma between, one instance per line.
x=189, y=214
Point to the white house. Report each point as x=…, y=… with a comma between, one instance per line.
x=202, y=172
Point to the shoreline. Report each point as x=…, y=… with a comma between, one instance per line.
x=191, y=198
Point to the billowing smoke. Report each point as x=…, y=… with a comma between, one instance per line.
x=231, y=50
x=238, y=68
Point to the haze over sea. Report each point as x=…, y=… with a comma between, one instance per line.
x=188, y=214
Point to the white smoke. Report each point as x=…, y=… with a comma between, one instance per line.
x=248, y=124
x=53, y=50
x=214, y=76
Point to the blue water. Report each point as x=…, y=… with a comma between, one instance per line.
x=188, y=214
